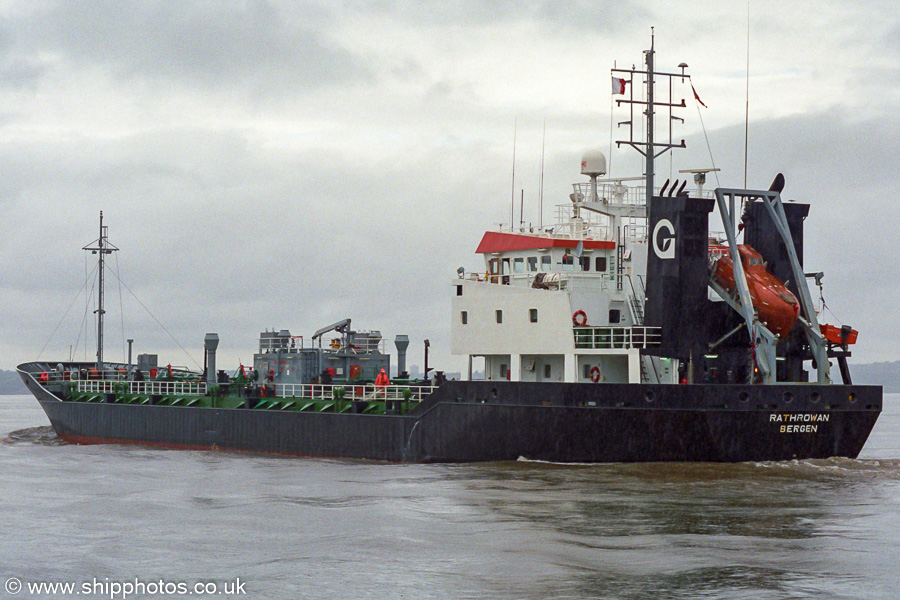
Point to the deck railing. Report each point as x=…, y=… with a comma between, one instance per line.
x=602, y=338
x=151, y=388
x=53, y=375
x=349, y=391
x=312, y=391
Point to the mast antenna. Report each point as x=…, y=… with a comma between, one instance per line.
x=512, y=194
x=649, y=148
x=541, y=191
x=747, y=97
x=102, y=247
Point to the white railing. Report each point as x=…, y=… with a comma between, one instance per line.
x=93, y=374
x=582, y=281
x=356, y=346
x=273, y=343
x=360, y=344
x=153, y=387
x=571, y=279
x=368, y=392
x=635, y=232
x=619, y=194
x=603, y=338
x=55, y=376
x=591, y=226
x=614, y=193
x=716, y=252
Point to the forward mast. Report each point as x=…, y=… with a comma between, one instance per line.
x=101, y=247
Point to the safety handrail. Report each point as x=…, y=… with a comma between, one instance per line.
x=600, y=338
x=350, y=391
x=151, y=387
x=55, y=376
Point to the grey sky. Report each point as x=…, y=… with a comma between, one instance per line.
x=287, y=164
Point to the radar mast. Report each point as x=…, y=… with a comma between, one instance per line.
x=649, y=148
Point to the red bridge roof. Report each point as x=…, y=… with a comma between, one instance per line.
x=496, y=241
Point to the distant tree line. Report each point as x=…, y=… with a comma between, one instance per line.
x=885, y=374
x=11, y=383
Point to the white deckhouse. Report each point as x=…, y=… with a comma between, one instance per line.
x=564, y=303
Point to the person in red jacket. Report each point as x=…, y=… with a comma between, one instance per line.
x=382, y=380
x=381, y=383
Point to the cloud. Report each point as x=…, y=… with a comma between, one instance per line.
x=285, y=165
x=256, y=45
x=603, y=16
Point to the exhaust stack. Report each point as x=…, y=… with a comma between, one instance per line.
x=210, y=343
x=402, y=343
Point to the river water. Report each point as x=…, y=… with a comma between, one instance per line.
x=103, y=518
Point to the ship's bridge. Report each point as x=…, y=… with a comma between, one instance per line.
x=563, y=302
x=518, y=258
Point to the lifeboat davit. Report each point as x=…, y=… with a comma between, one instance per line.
x=776, y=306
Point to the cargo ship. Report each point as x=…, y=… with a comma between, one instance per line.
x=627, y=331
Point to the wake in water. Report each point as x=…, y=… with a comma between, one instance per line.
x=686, y=472
x=42, y=436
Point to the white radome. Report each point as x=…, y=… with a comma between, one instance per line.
x=593, y=163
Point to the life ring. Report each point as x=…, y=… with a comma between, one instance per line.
x=595, y=374
x=579, y=318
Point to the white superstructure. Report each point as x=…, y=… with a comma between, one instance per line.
x=564, y=303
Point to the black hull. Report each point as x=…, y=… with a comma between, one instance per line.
x=491, y=421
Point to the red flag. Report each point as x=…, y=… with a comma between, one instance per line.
x=696, y=96
x=618, y=85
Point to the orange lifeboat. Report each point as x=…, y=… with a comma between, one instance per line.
x=839, y=336
x=776, y=306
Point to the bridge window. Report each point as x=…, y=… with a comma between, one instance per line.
x=532, y=264
x=600, y=264
x=545, y=263
x=585, y=263
x=519, y=265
